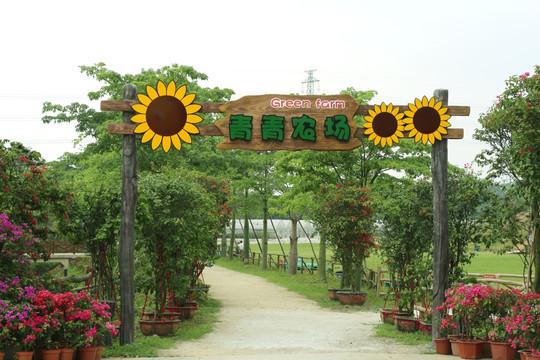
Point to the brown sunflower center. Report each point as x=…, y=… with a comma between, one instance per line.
x=166, y=115
x=426, y=120
x=384, y=124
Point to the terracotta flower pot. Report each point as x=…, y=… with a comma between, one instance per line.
x=2, y=355
x=405, y=323
x=470, y=349
x=50, y=354
x=352, y=297
x=442, y=345
x=454, y=345
x=502, y=351
x=67, y=354
x=87, y=353
x=332, y=293
x=24, y=355
x=387, y=316
x=162, y=327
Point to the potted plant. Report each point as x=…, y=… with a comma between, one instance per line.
x=344, y=220
x=178, y=233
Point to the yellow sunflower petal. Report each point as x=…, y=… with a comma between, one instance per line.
x=176, y=141
x=161, y=89
x=409, y=114
x=383, y=107
x=156, y=140
x=389, y=141
x=383, y=141
x=369, y=118
x=413, y=108
x=377, y=109
x=431, y=102
x=166, y=143
x=371, y=113
x=191, y=128
x=398, y=134
x=139, y=129
x=418, y=137
x=424, y=139
x=152, y=93
x=372, y=136
x=138, y=118
x=445, y=124
x=367, y=125
x=418, y=103
x=437, y=135
x=445, y=117
x=394, y=138
x=442, y=111
x=399, y=116
x=171, y=90
x=377, y=140
x=188, y=99
x=147, y=136
x=413, y=133
x=425, y=101
x=390, y=108
x=431, y=138
x=193, y=108
x=185, y=136
x=193, y=119
x=442, y=130
x=140, y=108
x=180, y=92
x=368, y=131
x=438, y=106
x=409, y=127
x=143, y=99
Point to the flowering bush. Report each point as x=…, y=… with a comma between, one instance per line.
x=500, y=306
x=523, y=323
x=470, y=306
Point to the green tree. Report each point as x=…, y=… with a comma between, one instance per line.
x=511, y=129
x=344, y=219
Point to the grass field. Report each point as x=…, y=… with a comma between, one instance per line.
x=485, y=262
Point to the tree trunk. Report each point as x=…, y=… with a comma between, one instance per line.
x=224, y=242
x=321, y=267
x=246, y=234
x=127, y=226
x=264, y=250
x=535, y=236
x=293, y=252
x=233, y=236
x=439, y=170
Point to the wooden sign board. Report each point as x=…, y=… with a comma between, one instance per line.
x=289, y=122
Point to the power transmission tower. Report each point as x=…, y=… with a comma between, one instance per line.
x=310, y=81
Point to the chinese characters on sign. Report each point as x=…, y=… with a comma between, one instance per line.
x=279, y=122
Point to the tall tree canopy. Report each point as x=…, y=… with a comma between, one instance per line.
x=511, y=128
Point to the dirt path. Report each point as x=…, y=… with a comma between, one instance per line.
x=256, y=320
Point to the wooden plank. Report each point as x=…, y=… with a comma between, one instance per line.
x=210, y=108
x=211, y=130
x=125, y=105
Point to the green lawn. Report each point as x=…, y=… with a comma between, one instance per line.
x=485, y=262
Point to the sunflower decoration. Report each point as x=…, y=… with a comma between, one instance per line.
x=166, y=116
x=426, y=120
x=384, y=125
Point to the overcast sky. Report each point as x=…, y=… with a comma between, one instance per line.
x=402, y=49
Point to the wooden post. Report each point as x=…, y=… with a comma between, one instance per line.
x=439, y=171
x=127, y=226
x=321, y=267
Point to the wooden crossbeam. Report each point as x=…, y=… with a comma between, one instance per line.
x=211, y=130
x=208, y=108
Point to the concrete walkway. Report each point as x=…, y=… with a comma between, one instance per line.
x=260, y=320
